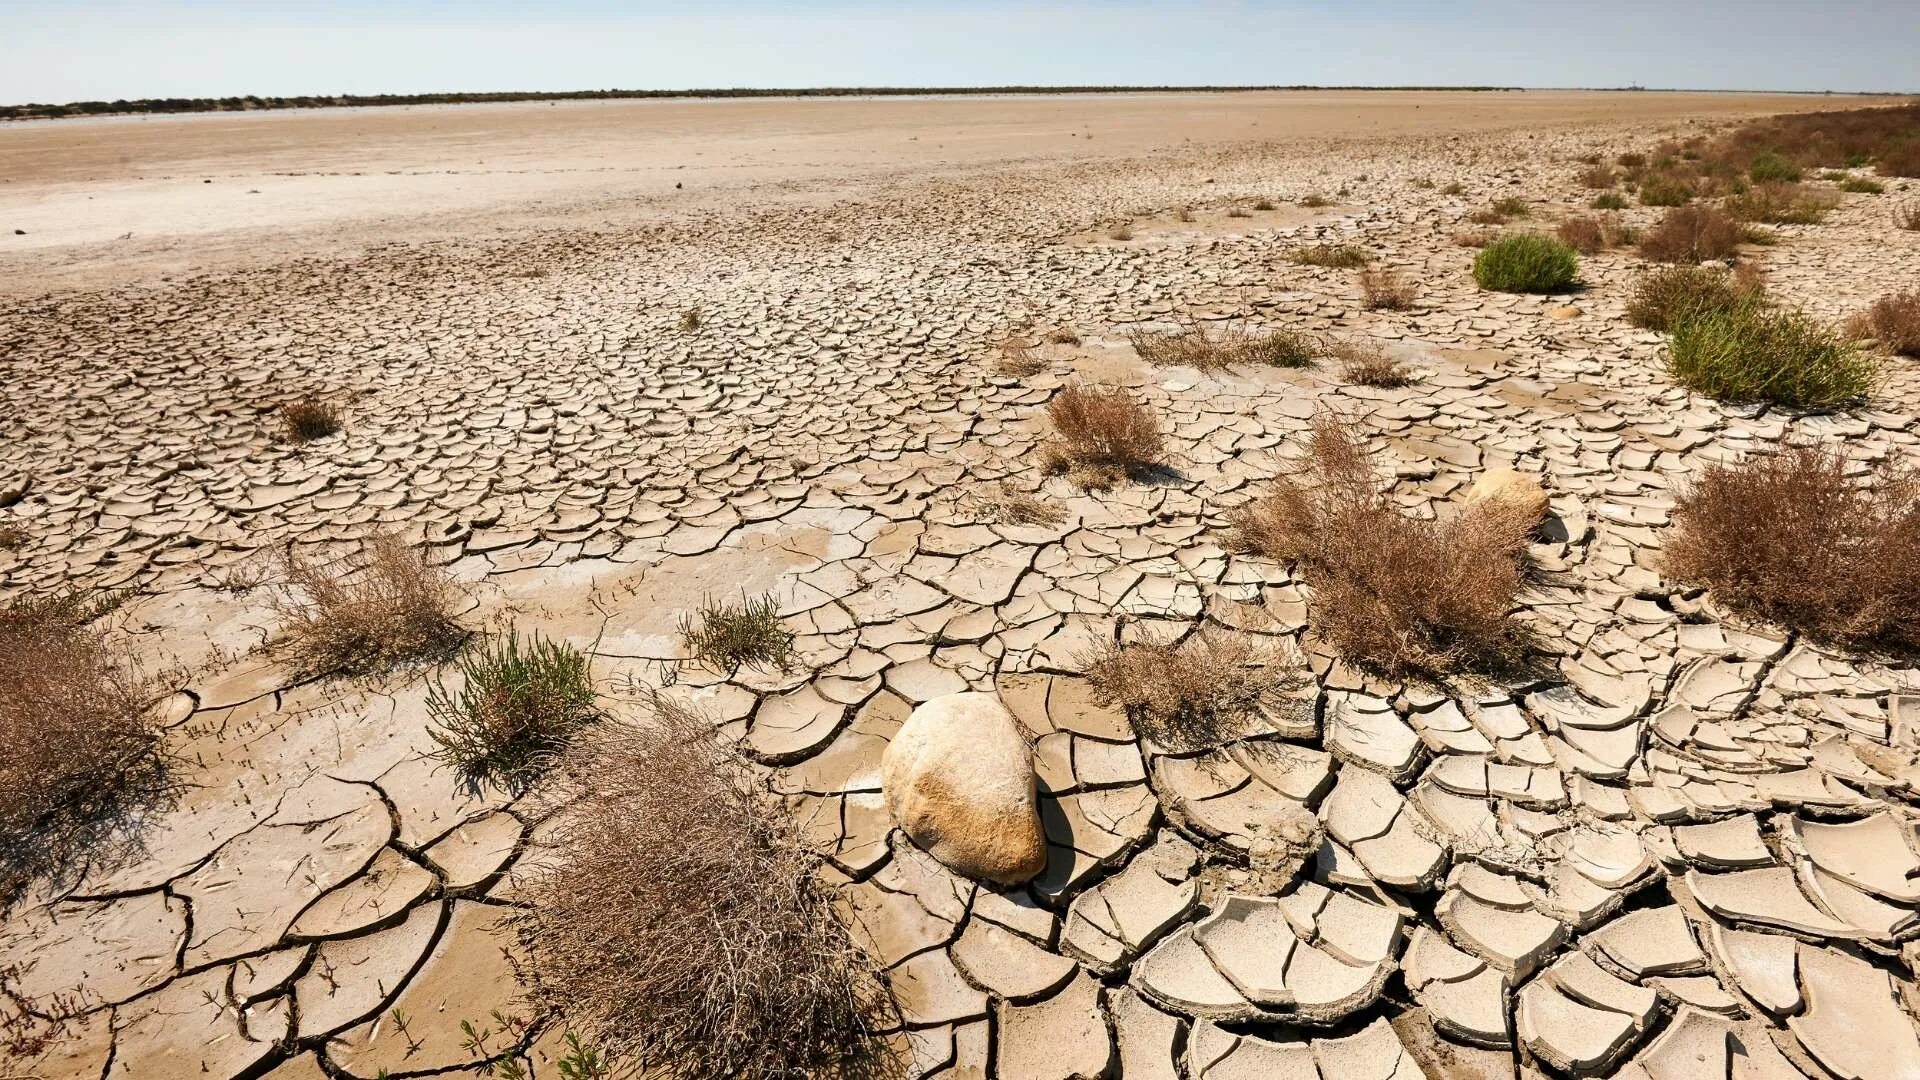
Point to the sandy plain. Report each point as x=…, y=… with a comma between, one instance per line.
x=1688, y=852
x=100, y=201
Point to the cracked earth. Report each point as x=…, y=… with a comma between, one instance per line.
x=1689, y=850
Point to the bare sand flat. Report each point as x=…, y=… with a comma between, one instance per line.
x=116, y=198
x=1676, y=842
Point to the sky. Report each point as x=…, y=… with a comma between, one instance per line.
x=66, y=50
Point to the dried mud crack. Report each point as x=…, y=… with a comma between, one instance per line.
x=1684, y=846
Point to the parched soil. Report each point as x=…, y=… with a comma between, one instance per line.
x=1680, y=845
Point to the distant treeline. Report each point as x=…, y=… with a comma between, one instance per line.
x=250, y=103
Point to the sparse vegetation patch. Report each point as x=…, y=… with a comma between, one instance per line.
x=1525, y=263
x=1748, y=352
x=1203, y=692
x=1102, y=436
x=682, y=926
x=727, y=635
x=78, y=749
x=1791, y=538
x=514, y=707
x=386, y=606
x=1393, y=593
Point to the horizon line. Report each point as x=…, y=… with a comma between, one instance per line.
x=254, y=102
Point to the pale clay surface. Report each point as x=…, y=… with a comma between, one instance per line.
x=1690, y=852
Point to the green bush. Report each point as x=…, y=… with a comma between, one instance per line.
x=1525, y=263
x=1747, y=352
x=1772, y=167
x=1860, y=185
x=515, y=708
x=1611, y=200
x=1663, y=190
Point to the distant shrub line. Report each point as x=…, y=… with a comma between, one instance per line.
x=254, y=102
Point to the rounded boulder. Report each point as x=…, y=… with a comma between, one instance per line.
x=958, y=779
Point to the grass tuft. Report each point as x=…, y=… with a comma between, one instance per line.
x=726, y=635
x=1383, y=289
x=1792, y=539
x=1772, y=168
x=1525, y=263
x=1783, y=204
x=1393, y=593
x=1589, y=235
x=1369, y=365
x=1748, y=353
x=515, y=708
x=369, y=613
x=1662, y=189
x=1331, y=256
x=307, y=419
x=1196, y=345
x=1201, y=693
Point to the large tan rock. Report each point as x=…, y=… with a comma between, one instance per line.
x=1510, y=486
x=958, y=778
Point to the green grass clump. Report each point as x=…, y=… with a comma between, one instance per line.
x=1663, y=190
x=1525, y=263
x=1860, y=185
x=1770, y=167
x=1749, y=353
x=1610, y=200
x=1782, y=204
x=726, y=635
x=1332, y=256
x=515, y=708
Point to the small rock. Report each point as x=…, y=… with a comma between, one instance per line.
x=1509, y=485
x=958, y=778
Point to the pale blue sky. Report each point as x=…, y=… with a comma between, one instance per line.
x=83, y=49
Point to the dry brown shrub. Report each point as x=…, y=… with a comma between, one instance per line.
x=681, y=924
x=1210, y=348
x=1474, y=238
x=1894, y=320
x=1064, y=335
x=1597, y=176
x=1393, y=593
x=1588, y=234
x=79, y=753
x=1369, y=365
x=1009, y=505
x=13, y=536
x=1691, y=234
x=1382, y=288
x=368, y=613
x=1791, y=539
x=308, y=418
x=1203, y=692
x=1664, y=296
x=1018, y=360
x=1101, y=435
